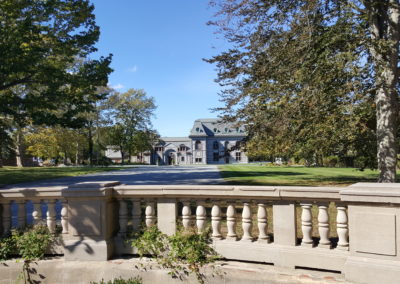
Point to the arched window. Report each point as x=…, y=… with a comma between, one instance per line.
x=215, y=145
x=197, y=145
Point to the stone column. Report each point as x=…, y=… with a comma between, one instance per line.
x=216, y=221
x=231, y=221
x=306, y=224
x=92, y=221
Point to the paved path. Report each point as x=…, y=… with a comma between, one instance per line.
x=143, y=175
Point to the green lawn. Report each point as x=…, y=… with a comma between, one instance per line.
x=255, y=174
x=11, y=175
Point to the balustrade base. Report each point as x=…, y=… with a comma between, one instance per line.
x=307, y=245
x=371, y=271
x=286, y=256
x=91, y=250
x=324, y=246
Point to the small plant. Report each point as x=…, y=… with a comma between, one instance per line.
x=184, y=253
x=30, y=244
x=135, y=280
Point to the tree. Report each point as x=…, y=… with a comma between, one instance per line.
x=129, y=112
x=46, y=77
x=306, y=75
x=55, y=143
x=143, y=141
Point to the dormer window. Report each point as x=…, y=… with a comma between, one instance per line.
x=182, y=148
x=215, y=130
x=197, y=129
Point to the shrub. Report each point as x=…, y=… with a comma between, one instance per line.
x=135, y=280
x=183, y=253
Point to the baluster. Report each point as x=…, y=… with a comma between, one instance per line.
x=323, y=226
x=64, y=217
x=262, y=223
x=21, y=214
x=306, y=224
x=123, y=217
x=150, y=214
x=247, y=224
x=51, y=215
x=186, y=215
x=231, y=222
x=216, y=221
x=6, y=216
x=37, y=212
x=136, y=215
x=200, y=216
x=342, y=228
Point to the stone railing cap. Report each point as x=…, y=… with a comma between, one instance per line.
x=93, y=184
x=372, y=193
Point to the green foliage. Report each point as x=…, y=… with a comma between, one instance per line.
x=31, y=244
x=184, y=253
x=302, y=77
x=135, y=280
x=130, y=114
x=7, y=248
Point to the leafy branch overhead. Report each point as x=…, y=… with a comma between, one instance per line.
x=308, y=77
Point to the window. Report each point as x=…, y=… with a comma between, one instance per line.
x=226, y=145
x=197, y=129
x=215, y=157
x=182, y=159
x=158, y=149
x=215, y=130
x=182, y=148
x=215, y=145
x=197, y=145
x=238, y=156
x=198, y=160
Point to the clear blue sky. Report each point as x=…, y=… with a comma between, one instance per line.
x=158, y=46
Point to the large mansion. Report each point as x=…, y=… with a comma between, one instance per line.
x=211, y=141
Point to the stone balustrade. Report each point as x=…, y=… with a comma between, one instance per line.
x=353, y=230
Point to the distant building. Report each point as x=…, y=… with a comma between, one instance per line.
x=211, y=141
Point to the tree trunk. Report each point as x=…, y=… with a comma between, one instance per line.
x=384, y=24
x=90, y=142
x=18, y=148
x=122, y=154
x=1, y=156
x=77, y=154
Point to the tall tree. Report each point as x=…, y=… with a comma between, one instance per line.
x=306, y=75
x=46, y=77
x=129, y=112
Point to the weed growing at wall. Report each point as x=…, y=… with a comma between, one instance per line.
x=135, y=280
x=182, y=254
x=29, y=244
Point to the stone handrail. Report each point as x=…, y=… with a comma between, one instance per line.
x=95, y=219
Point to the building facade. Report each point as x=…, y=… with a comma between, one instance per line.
x=210, y=141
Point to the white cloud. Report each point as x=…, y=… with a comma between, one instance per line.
x=117, y=86
x=133, y=69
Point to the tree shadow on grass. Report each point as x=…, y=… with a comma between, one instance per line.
x=292, y=179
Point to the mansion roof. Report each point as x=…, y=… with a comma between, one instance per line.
x=214, y=127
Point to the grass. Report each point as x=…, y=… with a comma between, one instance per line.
x=251, y=174
x=12, y=175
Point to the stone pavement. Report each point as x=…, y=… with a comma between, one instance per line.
x=142, y=175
